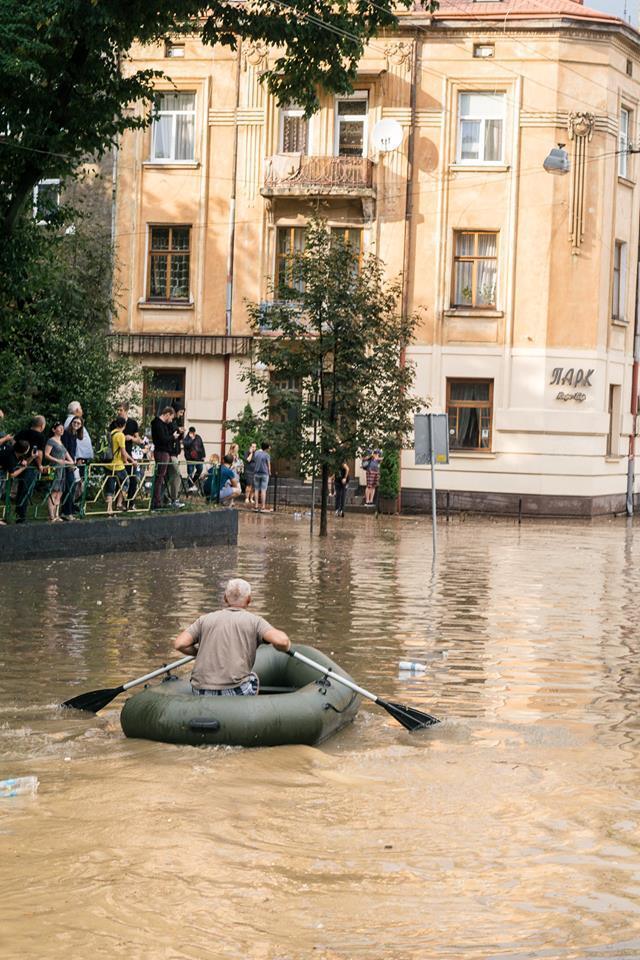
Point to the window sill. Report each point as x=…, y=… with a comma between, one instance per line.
x=610, y=459
x=471, y=455
x=172, y=164
x=626, y=181
x=618, y=322
x=479, y=313
x=163, y=305
x=480, y=167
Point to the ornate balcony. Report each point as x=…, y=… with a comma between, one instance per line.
x=296, y=175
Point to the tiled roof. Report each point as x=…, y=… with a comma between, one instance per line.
x=519, y=10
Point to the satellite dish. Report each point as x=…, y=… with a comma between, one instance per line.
x=387, y=135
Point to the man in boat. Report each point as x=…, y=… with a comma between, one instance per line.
x=224, y=644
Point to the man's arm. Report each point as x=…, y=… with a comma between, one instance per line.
x=184, y=643
x=278, y=639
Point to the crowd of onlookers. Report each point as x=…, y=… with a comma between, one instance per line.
x=129, y=468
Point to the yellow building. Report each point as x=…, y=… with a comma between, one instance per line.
x=526, y=281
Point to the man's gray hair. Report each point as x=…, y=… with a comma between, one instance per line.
x=73, y=407
x=237, y=591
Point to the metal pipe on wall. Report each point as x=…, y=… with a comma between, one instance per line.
x=634, y=401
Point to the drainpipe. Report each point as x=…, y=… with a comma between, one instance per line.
x=231, y=252
x=634, y=401
x=407, y=258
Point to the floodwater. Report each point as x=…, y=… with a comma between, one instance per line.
x=510, y=830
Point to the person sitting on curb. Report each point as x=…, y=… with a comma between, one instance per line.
x=225, y=644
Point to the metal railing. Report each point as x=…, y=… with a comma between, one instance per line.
x=95, y=489
x=349, y=173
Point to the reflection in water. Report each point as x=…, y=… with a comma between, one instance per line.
x=510, y=830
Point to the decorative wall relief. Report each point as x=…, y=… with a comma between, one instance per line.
x=580, y=127
x=256, y=53
x=399, y=53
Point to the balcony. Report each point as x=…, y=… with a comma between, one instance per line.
x=296, y=175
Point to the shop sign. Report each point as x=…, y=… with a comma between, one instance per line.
x=571, y=377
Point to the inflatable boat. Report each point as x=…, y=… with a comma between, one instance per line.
x=294, y=705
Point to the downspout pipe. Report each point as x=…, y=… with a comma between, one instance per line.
x=231, y=252
x=634, y=399
x=407, y=256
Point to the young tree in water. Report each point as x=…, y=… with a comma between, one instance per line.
x=335, y=337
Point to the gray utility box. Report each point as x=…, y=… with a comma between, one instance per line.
x=432, y=438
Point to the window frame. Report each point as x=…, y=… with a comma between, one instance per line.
x=473, y=404
x=474, y=259
x=172, y=396
x=355, y=118
x=169, y=253
x=295, y=111
x=480, y=161
x=619, y=281
x=282, y=258
x=173, y=113
x=624, y=141
x=46, y=182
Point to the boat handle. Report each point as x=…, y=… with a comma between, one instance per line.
x=205, y=726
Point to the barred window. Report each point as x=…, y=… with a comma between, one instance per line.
x=169, y=263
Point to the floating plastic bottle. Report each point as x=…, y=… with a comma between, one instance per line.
x=411, y=666
x=18, y=787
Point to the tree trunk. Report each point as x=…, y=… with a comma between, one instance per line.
x=324, y=498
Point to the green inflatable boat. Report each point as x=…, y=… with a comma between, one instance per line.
x=294, y=705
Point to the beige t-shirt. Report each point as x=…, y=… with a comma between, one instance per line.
x=228, y=641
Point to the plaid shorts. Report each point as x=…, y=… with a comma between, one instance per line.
x=248, y=688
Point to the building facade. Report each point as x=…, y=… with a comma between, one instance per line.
x=526, y=282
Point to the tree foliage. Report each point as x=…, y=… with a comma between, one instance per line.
x=332, y=347
x=55, y=308
x=66, y=86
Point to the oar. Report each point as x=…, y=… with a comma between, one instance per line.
x=97, y=699
x=409, y=717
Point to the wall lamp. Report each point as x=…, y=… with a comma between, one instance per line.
x=557, y=161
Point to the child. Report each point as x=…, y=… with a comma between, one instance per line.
x=372, y=466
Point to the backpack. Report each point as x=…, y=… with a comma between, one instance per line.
x=106, y=454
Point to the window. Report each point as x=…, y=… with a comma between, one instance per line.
x=172, y=135
x=351, y=125
x=173, y=49
x=613, y=436
x=483, y=50
x=294, y=130
x=46, y=200
x=289, y=241
x=475, y=270
x=629, y=68
x=481, y=122
x=162, y=388
x=469, y=405
x=169, y=260
x=619, y=280
x=354, y=237
x=623, y=142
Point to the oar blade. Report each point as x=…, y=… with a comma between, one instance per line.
x=93, y=701
x=409, y=717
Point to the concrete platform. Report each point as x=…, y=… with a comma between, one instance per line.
x=158, y=531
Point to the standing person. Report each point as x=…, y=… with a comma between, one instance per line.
x=194, y=454
x=85, y=451
x=70, y=443
x=34, y=435
x=249, y=472
x=55, y=452
x=225, y=644
x=261, y=475
x=4, y=437
x=162, y=437
x=229, y=482
x=14, y=460
x=131, y=432
x=372, y=466
x=237, y=463
x=120, y=458
x=341, y=483
x=174, y=479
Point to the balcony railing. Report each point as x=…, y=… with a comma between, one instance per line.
x=298, y=174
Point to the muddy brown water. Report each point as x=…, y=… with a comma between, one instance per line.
x=510, y=830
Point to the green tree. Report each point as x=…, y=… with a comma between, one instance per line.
x=247, y=429
x=55, y=309
x=66, y=87
x=336, y=339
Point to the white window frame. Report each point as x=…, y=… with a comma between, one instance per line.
x=51, y=182
x=480, y=161
x=618, y=297
x=624, y=139
x=292, y=110
x=356, y=95
x=174, y=114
